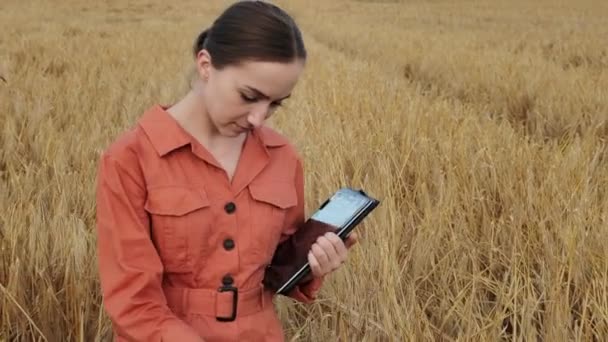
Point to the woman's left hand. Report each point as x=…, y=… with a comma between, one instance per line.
x=329, y=252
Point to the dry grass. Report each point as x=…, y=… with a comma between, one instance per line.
x=482, y=126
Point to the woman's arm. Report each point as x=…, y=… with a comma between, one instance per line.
x=130, y=270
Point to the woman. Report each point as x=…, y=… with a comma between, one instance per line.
x=193, y=201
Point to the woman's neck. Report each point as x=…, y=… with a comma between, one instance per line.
x=191, y=114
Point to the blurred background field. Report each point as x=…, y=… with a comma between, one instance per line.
x=481, y=125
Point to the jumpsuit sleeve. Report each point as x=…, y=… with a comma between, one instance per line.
x=305, y=292
x=130, y=270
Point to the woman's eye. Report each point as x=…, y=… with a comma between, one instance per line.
x=253, y=99
x=247, y=98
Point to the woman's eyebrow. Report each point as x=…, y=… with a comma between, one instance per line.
x=262, y=95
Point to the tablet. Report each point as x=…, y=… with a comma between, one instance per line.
x=342, y=212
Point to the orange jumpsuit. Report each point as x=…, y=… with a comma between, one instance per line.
x=180, y=248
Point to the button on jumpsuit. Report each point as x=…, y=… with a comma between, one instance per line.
x=180, y=247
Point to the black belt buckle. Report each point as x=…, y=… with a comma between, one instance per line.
x=235, y=299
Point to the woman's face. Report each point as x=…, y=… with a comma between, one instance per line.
x=238, y=98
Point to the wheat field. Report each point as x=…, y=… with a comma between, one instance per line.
x=482, y=126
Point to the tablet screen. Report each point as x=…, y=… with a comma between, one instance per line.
x=342, y=207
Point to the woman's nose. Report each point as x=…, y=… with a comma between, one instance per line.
x=258, y=115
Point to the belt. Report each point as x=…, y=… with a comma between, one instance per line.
x=225, y=303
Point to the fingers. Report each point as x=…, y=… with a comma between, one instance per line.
x=327, y=254
x=338, y=249
x=315, y=267
x=352, y=239
x=319, y=252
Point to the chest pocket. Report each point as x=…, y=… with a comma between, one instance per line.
x=180, y=219
x=269, y=205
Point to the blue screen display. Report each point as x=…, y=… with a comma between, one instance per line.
x=341, y=207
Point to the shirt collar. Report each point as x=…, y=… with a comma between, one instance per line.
x=163, y=130
x=166, y=134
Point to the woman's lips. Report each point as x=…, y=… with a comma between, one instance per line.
x=242, y=128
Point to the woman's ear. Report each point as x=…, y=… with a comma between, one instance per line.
x=203, y=64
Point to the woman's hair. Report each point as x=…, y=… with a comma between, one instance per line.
x=251, y=31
